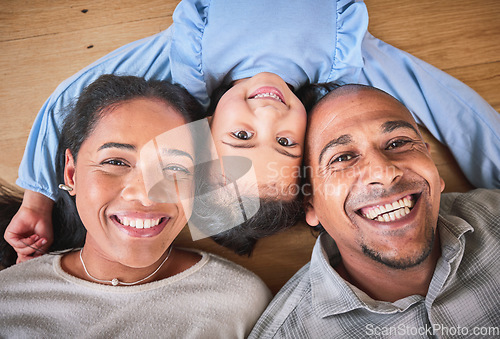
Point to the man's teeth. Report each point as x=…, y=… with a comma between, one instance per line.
x=139, y=223
x=390, y=212
x=268, y=95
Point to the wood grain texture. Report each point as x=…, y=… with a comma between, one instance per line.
x=43, y=42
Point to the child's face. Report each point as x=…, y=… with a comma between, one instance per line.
x=261, y=118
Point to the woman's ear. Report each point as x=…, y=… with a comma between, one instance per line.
x=69, y=172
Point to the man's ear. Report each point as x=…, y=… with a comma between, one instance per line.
x=69, y=172
x=441, y=181
x=428, y=146
x=311, y=217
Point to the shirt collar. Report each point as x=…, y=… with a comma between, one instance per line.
x=451, y=230
x=330, y=293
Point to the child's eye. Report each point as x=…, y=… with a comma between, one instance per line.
x=287, y=142
x=242, y=135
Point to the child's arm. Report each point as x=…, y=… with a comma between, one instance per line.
x=30, y=231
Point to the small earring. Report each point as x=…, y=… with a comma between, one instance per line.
x=65, y=187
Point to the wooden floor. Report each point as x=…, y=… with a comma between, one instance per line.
x=43, y=42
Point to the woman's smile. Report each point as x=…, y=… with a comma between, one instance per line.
x=140, y=227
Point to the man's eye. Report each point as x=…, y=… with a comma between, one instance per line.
x=342, y=162
x=343, y=157
x=287, y=142
x=242, y=135
x=397, y=143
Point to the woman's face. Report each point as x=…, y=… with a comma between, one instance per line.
x=123, y=224
x=260, y=118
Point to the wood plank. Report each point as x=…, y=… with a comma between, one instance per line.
x=446, y=33
x=35, y=18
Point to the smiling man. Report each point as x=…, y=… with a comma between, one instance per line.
x=391, y=261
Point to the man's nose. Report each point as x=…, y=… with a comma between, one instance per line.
x=380, y=170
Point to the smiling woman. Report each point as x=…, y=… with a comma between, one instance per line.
x=127, y=263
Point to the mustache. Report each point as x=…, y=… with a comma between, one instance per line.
x=367, y=195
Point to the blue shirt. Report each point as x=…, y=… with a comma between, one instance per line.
x=218, y=41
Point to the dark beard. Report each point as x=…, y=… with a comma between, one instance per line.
x=402, y=264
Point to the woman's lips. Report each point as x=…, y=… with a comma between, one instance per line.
x=140, y=227
x=268, y=93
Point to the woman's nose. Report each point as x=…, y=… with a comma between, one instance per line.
x=134, y=189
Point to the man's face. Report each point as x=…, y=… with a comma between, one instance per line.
x=375, y=188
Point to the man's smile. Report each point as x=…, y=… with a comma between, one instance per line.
x=390, y=211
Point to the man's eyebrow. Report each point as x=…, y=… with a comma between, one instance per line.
x=117, y=145
x=342, y=140
x=390, y=126
x=177, y=152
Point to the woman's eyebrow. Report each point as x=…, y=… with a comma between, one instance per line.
x=176, y=152
x=116, y=145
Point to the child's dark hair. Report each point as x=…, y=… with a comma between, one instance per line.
x=95, y=100
x=272, y=217
x=310, y=95
x=221, y=215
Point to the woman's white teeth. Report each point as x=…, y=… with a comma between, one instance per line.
x=139, y=223
x=390, y=212
x=268, y=95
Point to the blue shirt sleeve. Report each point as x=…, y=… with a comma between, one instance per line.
x=148, y=57
x=454, y=113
